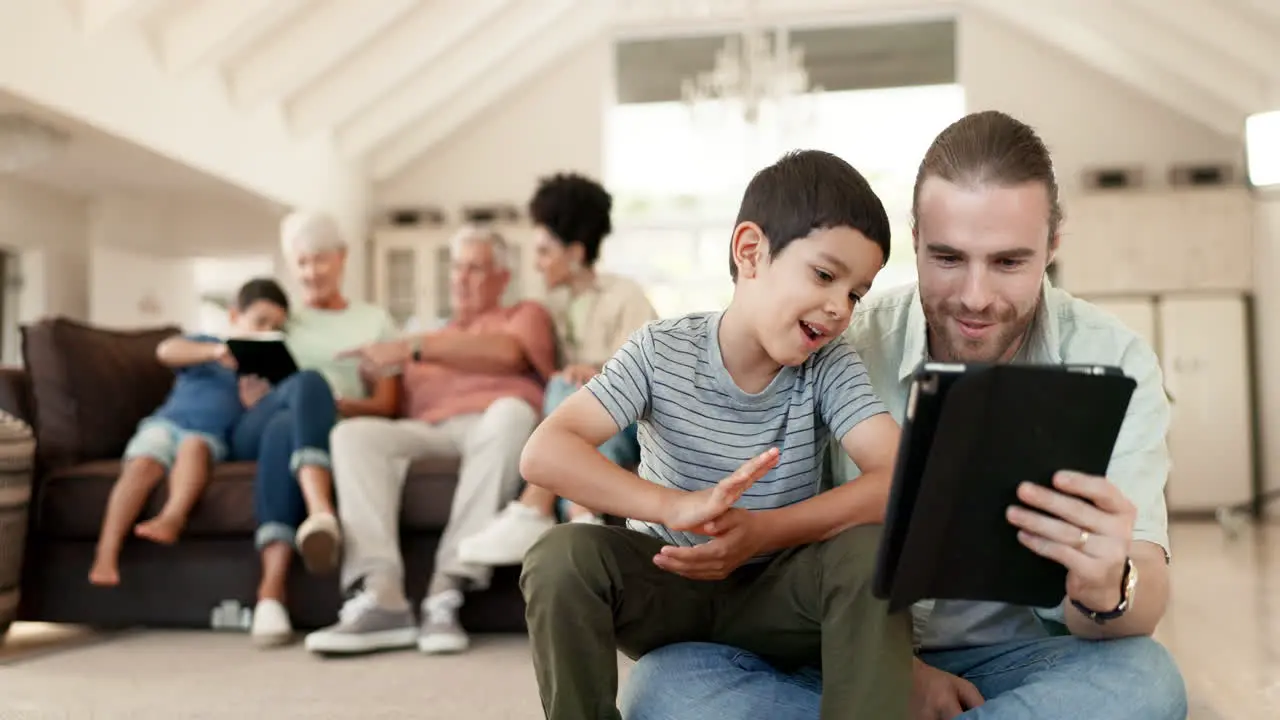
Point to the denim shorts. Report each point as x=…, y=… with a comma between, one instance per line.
x=159, y=439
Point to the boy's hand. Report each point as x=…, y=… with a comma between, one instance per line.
x=253, y=389
x=221, y=354
x=690, y=510
x=940, y=695
x=736, y=538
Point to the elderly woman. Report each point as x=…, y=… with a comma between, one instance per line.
x=287, y=431
x=594, y=314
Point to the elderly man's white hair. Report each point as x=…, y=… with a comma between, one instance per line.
x=305, y=231
x=470, y=234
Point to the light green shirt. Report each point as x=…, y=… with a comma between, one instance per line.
x=315, y=337
x=889, y=333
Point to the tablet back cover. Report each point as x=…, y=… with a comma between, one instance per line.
x=1001, y=426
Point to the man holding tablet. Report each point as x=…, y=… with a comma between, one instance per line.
x=986, y=218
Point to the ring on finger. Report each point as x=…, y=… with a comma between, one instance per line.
x=1084, y=539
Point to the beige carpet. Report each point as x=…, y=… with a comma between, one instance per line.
x=174, y=675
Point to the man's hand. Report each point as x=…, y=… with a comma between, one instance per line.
x=380, y=358
x=578, y=374
x=252, y=390
x=737, y=536
x=938, y=695
x=1087, y=525
x=690, y=510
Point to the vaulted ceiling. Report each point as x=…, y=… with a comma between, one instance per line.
x=387, y=80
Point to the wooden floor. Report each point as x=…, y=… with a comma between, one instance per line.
x=1223, y=625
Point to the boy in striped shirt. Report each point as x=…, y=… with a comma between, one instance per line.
x=731, y=538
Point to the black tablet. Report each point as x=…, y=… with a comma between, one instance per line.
x=971, y=434
x=267, y=357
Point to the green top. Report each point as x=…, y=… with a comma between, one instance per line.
x=315, y=337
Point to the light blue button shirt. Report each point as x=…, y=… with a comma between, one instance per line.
x=889, y=333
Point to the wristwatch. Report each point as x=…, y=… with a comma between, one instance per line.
x=1128, y=586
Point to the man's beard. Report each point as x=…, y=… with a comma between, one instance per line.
x=947, y=344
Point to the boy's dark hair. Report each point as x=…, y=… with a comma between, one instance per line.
x=809, y=190
x=990, y=148
x=261, y=289
x=574, y=208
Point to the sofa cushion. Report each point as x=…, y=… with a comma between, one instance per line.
x=74, y=498
x=91, y=387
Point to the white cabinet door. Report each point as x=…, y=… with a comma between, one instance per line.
x=1205, y=362
x=1137, y=314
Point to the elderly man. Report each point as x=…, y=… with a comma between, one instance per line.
x=471, y=388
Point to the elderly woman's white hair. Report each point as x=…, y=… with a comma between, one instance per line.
x=469, y=234
x=305, y=231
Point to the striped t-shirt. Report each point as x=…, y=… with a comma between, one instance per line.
x=696, y=426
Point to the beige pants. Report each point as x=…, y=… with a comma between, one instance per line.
x=370, y=459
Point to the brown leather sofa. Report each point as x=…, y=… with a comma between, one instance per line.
x=84, y=391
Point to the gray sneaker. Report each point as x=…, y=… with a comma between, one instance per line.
x=363, y=626
x=441, y=631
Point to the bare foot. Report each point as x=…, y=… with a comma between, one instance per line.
x=159, y=529
x=104, y=574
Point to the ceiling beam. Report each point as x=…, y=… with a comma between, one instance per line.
x=637, y=19
x=320, y=39
x=1057, y=27
x=1235, y=84
x=198, y=33
x=517, y=69
x=416, y=43
x=1267, y=8
x=1218, y=26
x=96, y=16
x=465, y=65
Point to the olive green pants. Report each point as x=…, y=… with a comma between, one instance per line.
x=592, y=590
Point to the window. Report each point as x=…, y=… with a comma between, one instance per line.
x=678, y=176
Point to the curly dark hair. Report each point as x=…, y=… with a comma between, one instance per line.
x=575, y=209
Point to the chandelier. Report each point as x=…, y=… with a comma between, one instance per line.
x=25, y=142
x=752, y=69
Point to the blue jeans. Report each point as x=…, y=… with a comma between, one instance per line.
x=1059, y=677
x=287, y=429
x=623, y=449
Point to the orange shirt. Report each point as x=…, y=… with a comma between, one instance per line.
x=435, y=392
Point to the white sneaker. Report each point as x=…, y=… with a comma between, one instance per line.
x=441, y=632
x=319, y=542
x=507, y=538
x=364, y=626
x=271, y=626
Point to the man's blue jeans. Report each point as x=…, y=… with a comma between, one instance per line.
x=285, y=430
x=1059, y=677
x=623, y=449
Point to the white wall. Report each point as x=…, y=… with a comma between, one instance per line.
x=1267, y=322
x=1086, y=118
x=47, y=231
x=157, y=242
x=160, y=290
x=554, y=123
x=181, y=226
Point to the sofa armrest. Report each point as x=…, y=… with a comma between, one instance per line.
x=15, y=394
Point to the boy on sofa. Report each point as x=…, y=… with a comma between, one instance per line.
x=187, y=433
